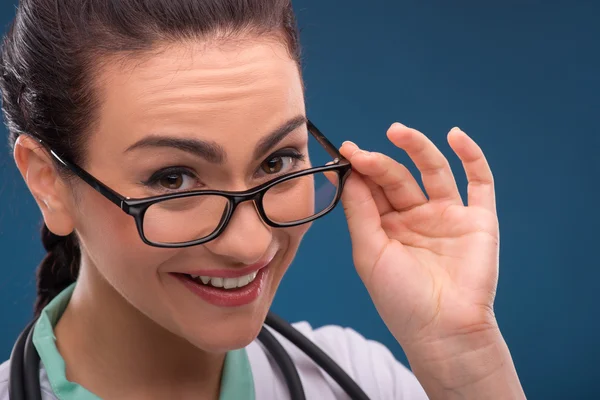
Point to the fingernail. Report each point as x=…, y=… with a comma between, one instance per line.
x=456, y=128
x=353, y=145
x=398, y=124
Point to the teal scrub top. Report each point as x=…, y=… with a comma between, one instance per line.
x=236, y=383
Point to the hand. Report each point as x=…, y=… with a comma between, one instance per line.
x=429, y=263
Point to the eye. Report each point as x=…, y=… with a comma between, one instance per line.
x=281, y=163
x=276, y=164
x=172, y=179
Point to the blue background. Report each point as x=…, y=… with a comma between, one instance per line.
x=522, y=79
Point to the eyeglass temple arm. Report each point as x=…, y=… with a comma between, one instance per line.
x=101, y=188
x=329, y=147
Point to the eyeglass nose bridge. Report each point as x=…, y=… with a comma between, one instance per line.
x=235, y=200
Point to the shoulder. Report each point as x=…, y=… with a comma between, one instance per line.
x=5, y=376
x=368, y=362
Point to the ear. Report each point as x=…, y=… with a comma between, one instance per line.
x=50, y=191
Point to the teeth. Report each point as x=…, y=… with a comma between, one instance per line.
x=230, y=283
x=244, y=280
x=226, y=283
x=216, y=282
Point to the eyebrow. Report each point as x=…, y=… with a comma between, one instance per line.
x=212, y=151
x=278, y=135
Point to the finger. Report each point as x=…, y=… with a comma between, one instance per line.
x=383, y=205
x=481, y=190
x=435, y=170
x=398, y=184
x=381, y=201
x=364, y=223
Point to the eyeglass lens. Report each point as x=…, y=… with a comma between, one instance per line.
x=196, y=217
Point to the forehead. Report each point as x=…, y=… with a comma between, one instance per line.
x=231, y=93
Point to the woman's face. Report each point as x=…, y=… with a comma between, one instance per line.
x=195, y=117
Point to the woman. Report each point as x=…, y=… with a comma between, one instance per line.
x=109, y=101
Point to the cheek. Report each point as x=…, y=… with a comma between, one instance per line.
x=293, y=201
x=289, y=239
x=297, y=233
x=112, y=243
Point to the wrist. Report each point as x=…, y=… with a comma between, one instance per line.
x=472, y=365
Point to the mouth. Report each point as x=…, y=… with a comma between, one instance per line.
x=226, y=291
x=222, y=282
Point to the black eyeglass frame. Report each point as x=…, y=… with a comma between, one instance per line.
x=137, y=207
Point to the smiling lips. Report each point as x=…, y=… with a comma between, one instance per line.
x=233, y=297
x=228, y=287
x=226, y=283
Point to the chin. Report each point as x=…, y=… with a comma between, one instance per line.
x=229, y=334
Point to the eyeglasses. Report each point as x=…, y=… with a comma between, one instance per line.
x=195, y=217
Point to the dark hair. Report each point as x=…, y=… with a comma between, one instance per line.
x=53, y=49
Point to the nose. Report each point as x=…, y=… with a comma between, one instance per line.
x=246, y=238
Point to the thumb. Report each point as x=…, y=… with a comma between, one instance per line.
x=364, y=223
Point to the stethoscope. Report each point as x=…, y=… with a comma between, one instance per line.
x=24, y=382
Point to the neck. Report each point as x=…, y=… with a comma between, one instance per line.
x=115, y=351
